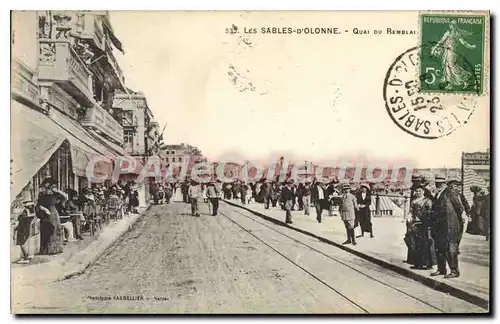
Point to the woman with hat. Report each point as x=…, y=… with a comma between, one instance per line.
x=51, y=239
x=348, y=210
x=364, y=200
x=421, y=207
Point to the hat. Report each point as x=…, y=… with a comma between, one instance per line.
x=440, y=179
x=454, y=181
x=416, y=177
x=346, y=186
x=366, y=185
x=475, y=188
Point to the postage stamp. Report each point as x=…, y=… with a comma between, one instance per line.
x=452, y=55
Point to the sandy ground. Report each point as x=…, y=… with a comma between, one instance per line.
x=172, y=262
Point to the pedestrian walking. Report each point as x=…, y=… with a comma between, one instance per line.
x=168, y=193
x=300, y=196
x=243, y=187
x=318, y=196
x=306, y=197
x=213, y=197
x=286, y=198
x=446, y=219
x=348, y=210
x=194, y=194
x=364, y=200
x=275, y=194
x=184, y=190
x=267, y=194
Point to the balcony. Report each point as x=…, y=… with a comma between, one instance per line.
x=118, y=73
x=98, y=119
x=92, y=30
x=23, y=85
x=60, y=64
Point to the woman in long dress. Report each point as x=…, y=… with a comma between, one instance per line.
x=364, y=200
x=51, y=238
x=178, y=194
x=421, y=207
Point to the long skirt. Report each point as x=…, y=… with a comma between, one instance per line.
x=51, y=235
x=364, y=218
x=178, y=195
x=425, y=254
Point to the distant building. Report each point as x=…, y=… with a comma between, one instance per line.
x=179, y=152
x=137, y=120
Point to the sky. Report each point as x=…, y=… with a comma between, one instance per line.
x=309, y=97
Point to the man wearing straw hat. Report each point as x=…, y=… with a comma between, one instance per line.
x=446, y=217
x=348, y=210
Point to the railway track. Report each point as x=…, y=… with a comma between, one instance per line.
x=314, y=250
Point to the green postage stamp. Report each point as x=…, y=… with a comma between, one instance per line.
x=452, y=53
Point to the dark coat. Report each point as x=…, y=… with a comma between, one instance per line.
x=286, y=194
x=446, y=219
x=266, y=190
x=364, y=213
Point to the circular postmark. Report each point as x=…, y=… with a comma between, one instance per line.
x=427, y=115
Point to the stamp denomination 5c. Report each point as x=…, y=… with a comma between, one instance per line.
x=452, y=53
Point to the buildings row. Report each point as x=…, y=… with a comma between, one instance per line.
x=70, y=104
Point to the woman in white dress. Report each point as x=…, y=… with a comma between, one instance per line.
x=178, y=193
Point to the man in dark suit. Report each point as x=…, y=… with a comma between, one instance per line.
x=320, y=199
x=287, y=198
x=267, y=194
x=446, y=217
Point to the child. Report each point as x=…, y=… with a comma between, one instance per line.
x=22, y=230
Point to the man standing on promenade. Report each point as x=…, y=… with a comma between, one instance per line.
x=213, y=196
x=286, y=198
x=194, y=193
x=267, y=194
x=318, y=196
x=348, y=210
x=446, y=217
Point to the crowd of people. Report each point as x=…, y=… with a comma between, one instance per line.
x=350, y=201
x=65, y=214
x=439, y=215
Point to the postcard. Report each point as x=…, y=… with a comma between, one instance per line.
x=250, y=162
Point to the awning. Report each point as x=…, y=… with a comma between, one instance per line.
x=120, y=152
x=35, y=137
x=31, y=148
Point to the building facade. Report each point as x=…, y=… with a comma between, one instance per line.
x=65, y=78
